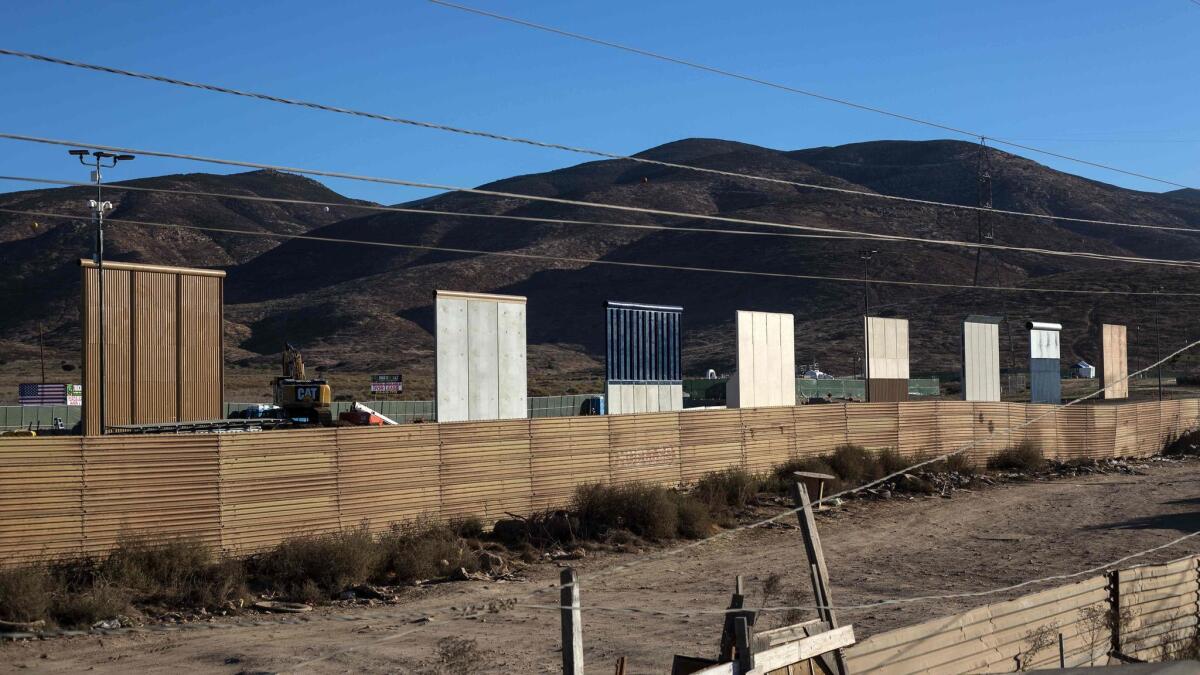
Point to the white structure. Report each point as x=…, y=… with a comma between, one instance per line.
x=766, y=361
x=1083, y=370
x=887, y=359
x=981, y=358
x=480, y=356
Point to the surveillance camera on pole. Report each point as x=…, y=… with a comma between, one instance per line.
x=100, y=160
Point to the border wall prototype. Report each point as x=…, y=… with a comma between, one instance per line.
x=766, y=361
x=244, y=492
x=643, y=366
x=1114, y=361
x=1045, y=375
x=480, y=344
x=886, y=359
x=162, y=334
x=981, y=358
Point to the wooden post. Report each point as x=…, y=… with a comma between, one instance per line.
x=745, y=655
x=620, y=666
x=816, y=560
x=1114, y=606
x=1062, y=652
x=572, y=623
x=727, y=631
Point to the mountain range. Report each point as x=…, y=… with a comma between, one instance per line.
x=353, y=307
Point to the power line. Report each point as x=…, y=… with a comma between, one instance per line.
x=849, y=234
x=558, y=146
x=590, y=261
x=795, y=90
x=599, y=205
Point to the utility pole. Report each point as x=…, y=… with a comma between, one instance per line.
x=865, y=255
x=99, y=160
x=1158, y=345
x=984, y=176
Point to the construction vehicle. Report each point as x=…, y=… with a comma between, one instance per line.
x=304, y=401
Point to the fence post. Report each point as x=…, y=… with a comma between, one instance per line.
x=572, y=623
x=1114, y=606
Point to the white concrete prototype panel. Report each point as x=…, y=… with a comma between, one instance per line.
x=887, y=348
x=981, y=358
x=1043, y=340
x=766, y=361
x=481, y=360
x=623, y=399
x=1114, y=362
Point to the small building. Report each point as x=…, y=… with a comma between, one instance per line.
x=1083, y=370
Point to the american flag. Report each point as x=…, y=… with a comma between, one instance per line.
x=42, y=394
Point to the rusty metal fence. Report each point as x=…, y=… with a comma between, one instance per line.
x=242, y=492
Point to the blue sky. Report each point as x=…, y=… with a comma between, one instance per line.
x=1110, y=81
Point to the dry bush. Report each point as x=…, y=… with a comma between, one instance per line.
x=780, y=481
x=1026, y=456
x=694, y=521
x=318, y=566
x=467, y=527
x=25, y=594
x=426, y=550
x=645, y=510
x=854, y=464
x=890, y=461
x=84, y=607
x=729, y=489
x=176, y=571
x=1187, y=443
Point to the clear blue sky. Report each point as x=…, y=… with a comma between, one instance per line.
x=1110, y=80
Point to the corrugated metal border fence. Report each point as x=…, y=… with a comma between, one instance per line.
x=247, y=491
x=1154, y=606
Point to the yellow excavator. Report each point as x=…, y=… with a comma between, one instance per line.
x=304, y=401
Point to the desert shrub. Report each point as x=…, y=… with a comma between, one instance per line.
x=468, y=527
x=890, y=461
x=957, y=463
x=331, y=562
x=645, y=510
x=177, y=571
x=425, y=550
x=24, y=593
x=854, y=464
x=1026, y=456
x=694, y=520
x=780, y=481
x=1187, y=443
x=728, y=489
x=84, y=607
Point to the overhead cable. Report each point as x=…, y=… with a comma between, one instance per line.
x=558, y=146
x=600, y=261
x=598, y=205
x=796, y=90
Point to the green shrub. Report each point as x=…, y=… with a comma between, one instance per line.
x=728, y=489
x=1026, y=456
x=468, y=527
x=781, y=479
x=425, y=551
x=645, y=510
x=1187, y=443
x=82, y=608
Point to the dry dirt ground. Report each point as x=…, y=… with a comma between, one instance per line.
x=875, y=550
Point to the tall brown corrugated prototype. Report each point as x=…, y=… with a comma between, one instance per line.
x=163, y=336
x=1114, y=361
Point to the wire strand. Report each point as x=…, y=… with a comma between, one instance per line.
x=795, y=90
x=556, y=146
x=596, y=261
x=585, y=204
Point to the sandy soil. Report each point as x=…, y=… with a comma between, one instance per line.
x=875, y=550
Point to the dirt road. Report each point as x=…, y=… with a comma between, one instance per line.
x=875, y=550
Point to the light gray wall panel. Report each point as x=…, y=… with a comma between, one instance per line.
x=981, y=361
x=766, y=361
x=451, y=375
x=482, y=360
x=513, y=385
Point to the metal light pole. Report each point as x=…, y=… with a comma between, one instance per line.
x=99, y=160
